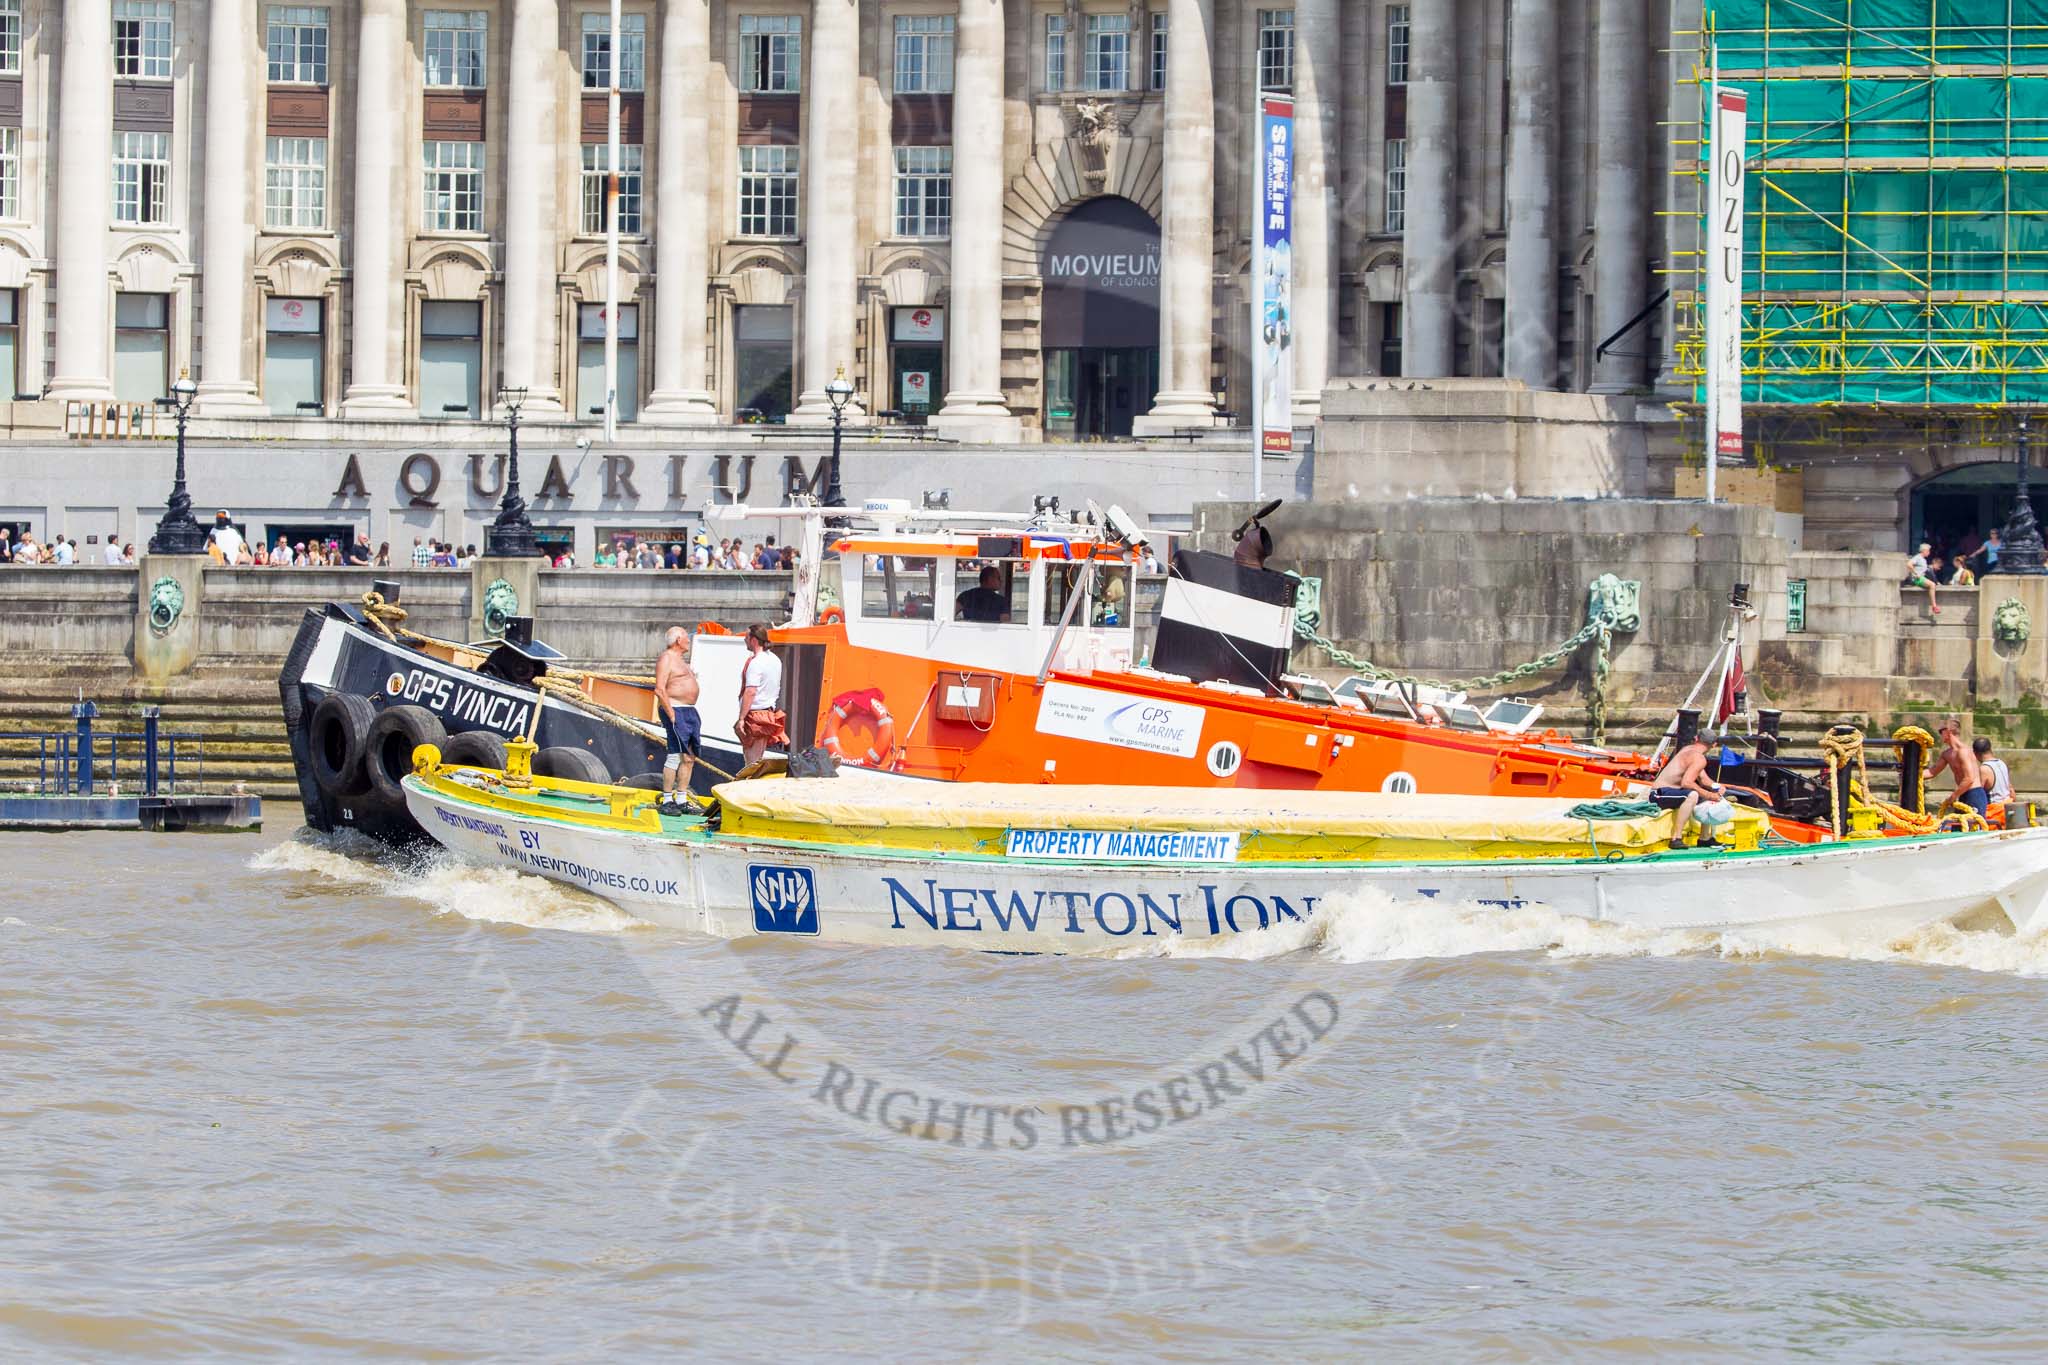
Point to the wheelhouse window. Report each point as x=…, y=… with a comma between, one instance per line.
x=455, y=187
x=771, y=54
x=453, y=49
x=924, y=54
x=451, y=358
x=142, y=178
x=1108, y=53
x=142, y=347
x=597, y=52
x=899, y=588
x=142, y=39
x=992, y=591
x=295, y=182
x=1276, y=49
x=590, y=361
x=768, y=191
x=632, y=160
x=296, y=37
x=924, y=191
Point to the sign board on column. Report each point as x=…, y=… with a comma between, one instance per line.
x=1273, y=278
x=1727, y=178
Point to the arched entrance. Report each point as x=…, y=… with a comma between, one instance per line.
x=1099, y=321
x=1953, y=510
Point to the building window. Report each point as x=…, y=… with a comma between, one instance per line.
x=771, y=54
x=142, y=177
x=764, y=361
x=142, y=347
x=1396, y=215
x=454, y=49
x=451, y=359
x=10, y=37
x=1159, y=50
x=1276, y=49
x=597, y=52
x=142, y=39
x=1055, y=51
x=1397, y=45
x=10, y=172
x=10, y=340
x=924, y=191
x=924, y=54
x=768, y=191
x=292, y=353
x=297, y=38
x=631, y=162
x=295, y=182
x=1109, y=52
x=590, y=361
x=455, y=187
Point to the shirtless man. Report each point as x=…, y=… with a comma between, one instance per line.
x=1684, y=779
x=1957, y=758
x=676, y=688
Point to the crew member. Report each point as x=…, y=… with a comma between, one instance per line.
x=1684, y=782
x=1957, y=758
x=675, y=689
x=761, y=718
x=985, y=603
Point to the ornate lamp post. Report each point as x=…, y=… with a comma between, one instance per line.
x=2023, y=551
x=837, y=390
x=177, y=533
x=510, y=535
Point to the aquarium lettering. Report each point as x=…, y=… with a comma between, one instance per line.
x=974, y=910
x=1133, y=846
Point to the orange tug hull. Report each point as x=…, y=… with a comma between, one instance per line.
x=1236, y=740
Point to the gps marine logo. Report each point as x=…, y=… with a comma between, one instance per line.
x=785, y=899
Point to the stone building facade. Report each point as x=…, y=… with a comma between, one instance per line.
x=1022, y=219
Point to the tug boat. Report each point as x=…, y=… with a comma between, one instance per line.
x=1114, y=870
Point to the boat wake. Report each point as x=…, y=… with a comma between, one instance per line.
x=437, y=879
x=1372, y=927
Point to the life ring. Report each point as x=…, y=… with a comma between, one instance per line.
x=867, y=703
x=831, y=616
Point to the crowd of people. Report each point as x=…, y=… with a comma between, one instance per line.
x=634, y=552
x=60, y=550
x=1958, y=566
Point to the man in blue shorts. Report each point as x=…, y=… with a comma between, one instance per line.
x=675, y=689
x=1958, y=758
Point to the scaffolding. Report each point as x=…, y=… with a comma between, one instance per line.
x=1896, y=251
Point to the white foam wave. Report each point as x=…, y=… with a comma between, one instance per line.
x=447, y=885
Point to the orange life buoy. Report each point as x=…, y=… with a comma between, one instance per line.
x=832, y=616
x=867, y=703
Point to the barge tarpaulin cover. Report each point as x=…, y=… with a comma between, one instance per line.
x=1223, y=622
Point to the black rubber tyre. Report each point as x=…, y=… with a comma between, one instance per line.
x=646, y=782
x=576, y=765
x=387, y=753
x=337, y=735
x=475, y=749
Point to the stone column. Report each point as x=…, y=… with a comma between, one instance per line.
x=1532, y=244
x=530, y=245
x=1187, y=268
x=375, y=385
x=1318, y=142
x=84, y=171
x=831, y=154
x=226, y=237
x=1621, y=275
x=682, y=392
x=1429, y=246
x=974, y=316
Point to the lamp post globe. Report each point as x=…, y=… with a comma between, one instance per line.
x=177, y=532
x=838, y=390
x=510, y=535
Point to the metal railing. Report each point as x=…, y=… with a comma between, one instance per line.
x=67, y=761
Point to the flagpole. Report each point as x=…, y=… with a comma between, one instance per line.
x=1713, y=112
x=611, y=239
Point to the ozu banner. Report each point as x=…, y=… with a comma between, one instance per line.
x=1273, y=269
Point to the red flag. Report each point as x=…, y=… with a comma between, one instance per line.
x=1732, y=687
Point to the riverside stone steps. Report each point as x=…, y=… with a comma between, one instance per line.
x=242, y=738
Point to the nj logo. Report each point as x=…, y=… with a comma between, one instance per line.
x=785, y=899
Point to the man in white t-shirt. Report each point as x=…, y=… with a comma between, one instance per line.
x=113, y=551
x=761, y=719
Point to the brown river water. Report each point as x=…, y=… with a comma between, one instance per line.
x=267, y=1096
